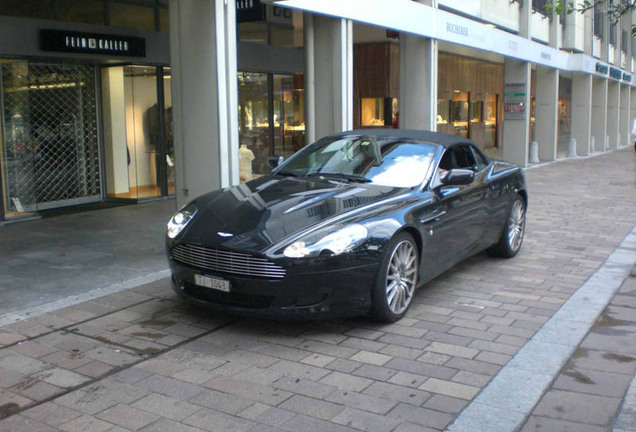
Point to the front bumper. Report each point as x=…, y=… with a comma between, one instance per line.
x=329, y=289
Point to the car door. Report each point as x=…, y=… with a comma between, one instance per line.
x=460, y=228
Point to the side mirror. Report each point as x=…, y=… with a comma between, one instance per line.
x=274, y=161
x=457, y=177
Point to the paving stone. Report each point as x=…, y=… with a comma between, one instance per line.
x=22, y=364
x=21, y=423
x=100, y=396
x=472, y=366
x=95, y=369
x=421, y=416
x=305, y=387
x=264, y=414
x=420, y=368
x=131, y=375
x=170, y=387
x=363, y=344
x=343, y=365
x=604, y=361
x=377, y=373
x=347, y=382
x=577, y=407
x=499, y=359
x=306, y=423
x=128, y=417
x=407, y=379
x=164, y=425
x=446, y=404
x=433, y=358
x=215, y=421
x=398, y=351
x=251, y=391
x=591, y=382
x=86, y=424
x=51, y=413
x=471, y=378
x=312, y=407
x=361, y=401
x=318, y=360
x=399, y=393
x=542, y=424
x=404, y=341
x=282, y=352
x=452, y=350
x=365, y=421
x=449, y=388
x=37, y=390
x=328, y=349
x=221, y=401
x=166, y=407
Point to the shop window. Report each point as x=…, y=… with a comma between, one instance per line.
x=164, y=21
x=475, y=113
x=490, y=120
x=131, y=16
x=378, y=112
x=443, y=111
x=459, y=112
x=42, y=9
x=83, y=11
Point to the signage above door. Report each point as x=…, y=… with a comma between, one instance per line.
x=92, y=43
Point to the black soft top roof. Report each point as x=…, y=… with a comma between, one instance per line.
x=440, y=138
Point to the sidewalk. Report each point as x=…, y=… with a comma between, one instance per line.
x=140, y=359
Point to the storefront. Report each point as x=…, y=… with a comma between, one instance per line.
x=84, y=115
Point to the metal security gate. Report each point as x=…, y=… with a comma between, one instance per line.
x=50, y=135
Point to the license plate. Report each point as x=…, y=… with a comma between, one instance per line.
x=212, y=282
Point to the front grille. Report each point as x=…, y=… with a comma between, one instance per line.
x=222, y=261
x=228, y=299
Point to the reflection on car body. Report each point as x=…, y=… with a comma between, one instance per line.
x=349, y=225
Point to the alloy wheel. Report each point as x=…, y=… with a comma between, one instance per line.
x=401, y=277
x=517, y=225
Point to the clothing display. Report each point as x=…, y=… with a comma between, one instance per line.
x=246, y=156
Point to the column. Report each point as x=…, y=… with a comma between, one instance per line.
x=516, y=125
x=204, y=95
x=333, y=77
x=310, y=78
x=581, y=129
x=613, y=101
x=114, y=113
x=546, y=112
x=418, y=82
x=599, y=112
x=625, y=126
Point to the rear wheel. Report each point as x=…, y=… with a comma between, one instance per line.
x=396, y=280
x=512, y=236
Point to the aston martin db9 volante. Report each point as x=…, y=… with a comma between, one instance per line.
x=351, y=224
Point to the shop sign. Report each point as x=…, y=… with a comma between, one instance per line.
x=515, y=101
x=601, y=68
x=627, y=77
x=92, y=43
x=249, y=10
x=616, y=73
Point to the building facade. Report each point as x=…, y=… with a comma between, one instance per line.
x=141, y=99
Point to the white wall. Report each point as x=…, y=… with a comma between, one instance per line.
x=502, y=13
x=540, y=27
x=114, y=130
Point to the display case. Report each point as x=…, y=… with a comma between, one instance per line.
x=459, y=112
x=490, y=120
x=443, y=111
x=378, y=112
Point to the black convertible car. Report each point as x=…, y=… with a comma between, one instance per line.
x=349, y=225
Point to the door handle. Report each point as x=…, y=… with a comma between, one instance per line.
x=434, y=217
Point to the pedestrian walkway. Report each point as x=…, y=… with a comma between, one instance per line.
x=142, y=360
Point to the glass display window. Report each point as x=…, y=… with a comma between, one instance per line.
x=443, y=111
x=372, y=112
x=476, y=111
x=459, y=112
x=490, y=119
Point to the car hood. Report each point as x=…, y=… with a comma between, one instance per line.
x=258, y=214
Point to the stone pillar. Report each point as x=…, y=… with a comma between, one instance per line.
x=599, y=112
x=581, y=129
x=516, y=125
x=625, y=127
x=546, y=114
x=204, y=95
x=613, y=102
x=333, y=48
x=310, y=79
x=418, y=83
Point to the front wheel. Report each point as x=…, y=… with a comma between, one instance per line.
x=512, y=236
x=396, y=280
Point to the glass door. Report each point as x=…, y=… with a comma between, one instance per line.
x=138, y=138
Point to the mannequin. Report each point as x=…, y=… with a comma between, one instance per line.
x=246, y=156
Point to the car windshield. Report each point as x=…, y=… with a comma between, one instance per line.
x=384, y=161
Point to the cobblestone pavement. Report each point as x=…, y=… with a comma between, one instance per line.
x=143, y=360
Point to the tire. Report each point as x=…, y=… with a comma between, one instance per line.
x=396, y=280
x=512, y=236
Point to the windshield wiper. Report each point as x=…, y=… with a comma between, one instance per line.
x=347, y=177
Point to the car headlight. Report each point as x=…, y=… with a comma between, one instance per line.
x=333, y=243
x=179, y=221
